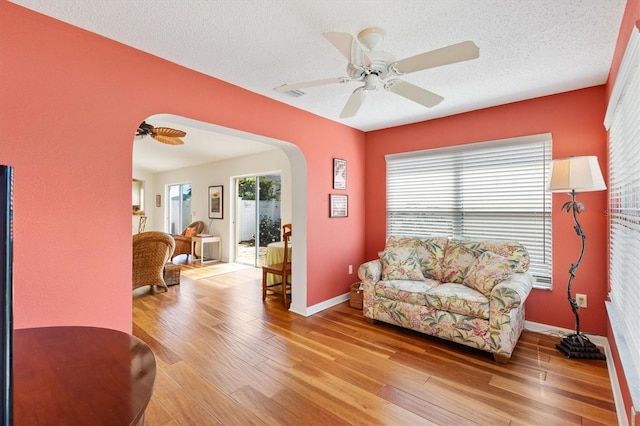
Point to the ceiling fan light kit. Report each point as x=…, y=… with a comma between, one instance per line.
x=371, y=37
x=378, y=69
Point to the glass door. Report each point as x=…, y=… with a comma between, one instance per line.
x=257, y=217
x=179, y=206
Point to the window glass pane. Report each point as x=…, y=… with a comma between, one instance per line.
x=179, y=197
x=185, y=206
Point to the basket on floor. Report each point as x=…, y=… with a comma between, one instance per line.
x=355, y=297
x=172, y=274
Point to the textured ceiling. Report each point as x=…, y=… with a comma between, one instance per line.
x=202, y=145
x=527, y=48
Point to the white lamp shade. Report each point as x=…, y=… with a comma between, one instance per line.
x=580, y=174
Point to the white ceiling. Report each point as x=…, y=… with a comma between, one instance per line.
x=528, y=48
x=201, y=145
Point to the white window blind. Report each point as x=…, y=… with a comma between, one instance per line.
x=490, y=190
x=624, y=203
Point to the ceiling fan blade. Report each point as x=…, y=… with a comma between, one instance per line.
x=304, y=85
x=447, y=55
x=414, y=93
x=349, y=47
x=168, y=140
x=353, y=104
x=169, y=132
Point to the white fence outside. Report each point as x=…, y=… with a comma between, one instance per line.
x=247, y=216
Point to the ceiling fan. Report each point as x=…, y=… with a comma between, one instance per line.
x=161, y=134
x=380, y=69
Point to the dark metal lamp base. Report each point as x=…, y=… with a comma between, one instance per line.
x=579, y=346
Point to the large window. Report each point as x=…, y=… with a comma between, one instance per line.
x=491, y=190
x=624, y=212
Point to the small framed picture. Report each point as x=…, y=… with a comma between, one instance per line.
x=158, y=200
x=338, y=205
x=339, y=174
x=215, y=201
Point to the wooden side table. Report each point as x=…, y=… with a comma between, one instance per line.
x=204, y=239
x=80, y=375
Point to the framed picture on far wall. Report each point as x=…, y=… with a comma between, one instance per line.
x=339, y=174
x=338, y=205
x=215, y=201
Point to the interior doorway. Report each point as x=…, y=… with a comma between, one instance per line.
x=294, y=189
x=258, y=217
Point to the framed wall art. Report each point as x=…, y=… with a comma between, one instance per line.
x=338, y=205
x=339, y=174
x=215, y=201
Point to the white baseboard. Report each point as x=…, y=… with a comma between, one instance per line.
x=551, y=330
x=310, y=310
x=603, y=343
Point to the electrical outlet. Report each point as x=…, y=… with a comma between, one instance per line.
x=350, y=269
x=581, y=300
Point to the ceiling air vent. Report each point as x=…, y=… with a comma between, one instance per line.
x=295, y=93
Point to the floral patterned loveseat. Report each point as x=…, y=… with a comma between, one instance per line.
x=469, y=292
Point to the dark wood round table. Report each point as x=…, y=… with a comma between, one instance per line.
x=80, y=376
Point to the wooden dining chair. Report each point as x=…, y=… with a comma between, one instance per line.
x=282, y=269
x=286, y=228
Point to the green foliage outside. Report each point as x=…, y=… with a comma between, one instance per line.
x=247, y=189
x=269, y=230
x=187, y=195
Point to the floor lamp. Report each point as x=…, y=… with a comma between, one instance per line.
x=574, y=175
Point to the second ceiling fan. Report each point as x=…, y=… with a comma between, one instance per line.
x=164, y=135
x=378, y=69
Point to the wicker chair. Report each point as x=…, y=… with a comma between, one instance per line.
x=151, y=250
x=183, y=241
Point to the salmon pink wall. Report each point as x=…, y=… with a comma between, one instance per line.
x=575, y=121
x=70, y=102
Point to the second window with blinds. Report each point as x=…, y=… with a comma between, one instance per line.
x=488, y=190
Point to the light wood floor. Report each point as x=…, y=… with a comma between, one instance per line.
x=224, y=357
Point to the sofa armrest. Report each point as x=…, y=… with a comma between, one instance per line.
x=511, y=293
x=370, y=272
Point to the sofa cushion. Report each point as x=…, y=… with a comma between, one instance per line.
x=459, y=299
x=512, y=250
x=398, y=241
x=401, y=263
x=405, y=290
x=488, y=270
x=456, y=262
x=430, y=252
x=432, y=262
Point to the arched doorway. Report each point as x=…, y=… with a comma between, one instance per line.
x=296, y=202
